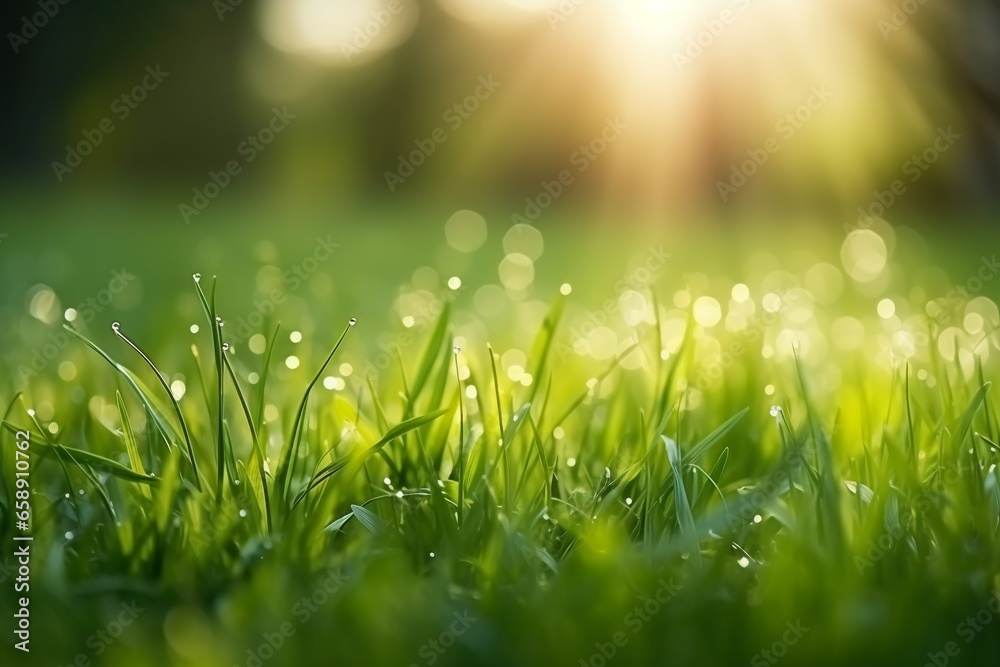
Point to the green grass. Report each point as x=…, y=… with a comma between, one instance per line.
x=864, y=510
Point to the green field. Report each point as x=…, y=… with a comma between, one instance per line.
x=688, y=445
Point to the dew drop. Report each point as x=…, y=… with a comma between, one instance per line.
x=236, y=482
x=197, y=277
x=66, y=495
x=432, y=554
x=353, y=321
x=115, y=326
x=225, y=347
x=457, y=349
x=243, y=513
x=744, y=561
x=69, y=535
x=775, y=410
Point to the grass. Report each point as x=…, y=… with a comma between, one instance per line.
x=441, y=513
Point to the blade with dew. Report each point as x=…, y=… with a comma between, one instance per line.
x=286, y=467
x=685, y=517
x=170, y=436
x=707, y=443
x=396, y=431
x=91, y=459
x=116, y=327
x=255, y=474
x=130, y=444
x=216, y=323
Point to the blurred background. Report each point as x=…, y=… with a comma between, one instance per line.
x=695, y=85
x=445, y=146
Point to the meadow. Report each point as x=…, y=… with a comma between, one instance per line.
x=501, y=446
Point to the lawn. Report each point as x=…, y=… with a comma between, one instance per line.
x=545, y=449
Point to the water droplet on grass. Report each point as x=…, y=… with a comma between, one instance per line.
x=115, y=326
x=197, y=277
x=775, y=410
x=353, y=321
x=243, y=513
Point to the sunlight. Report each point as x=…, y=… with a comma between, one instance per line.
x=346, y=32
